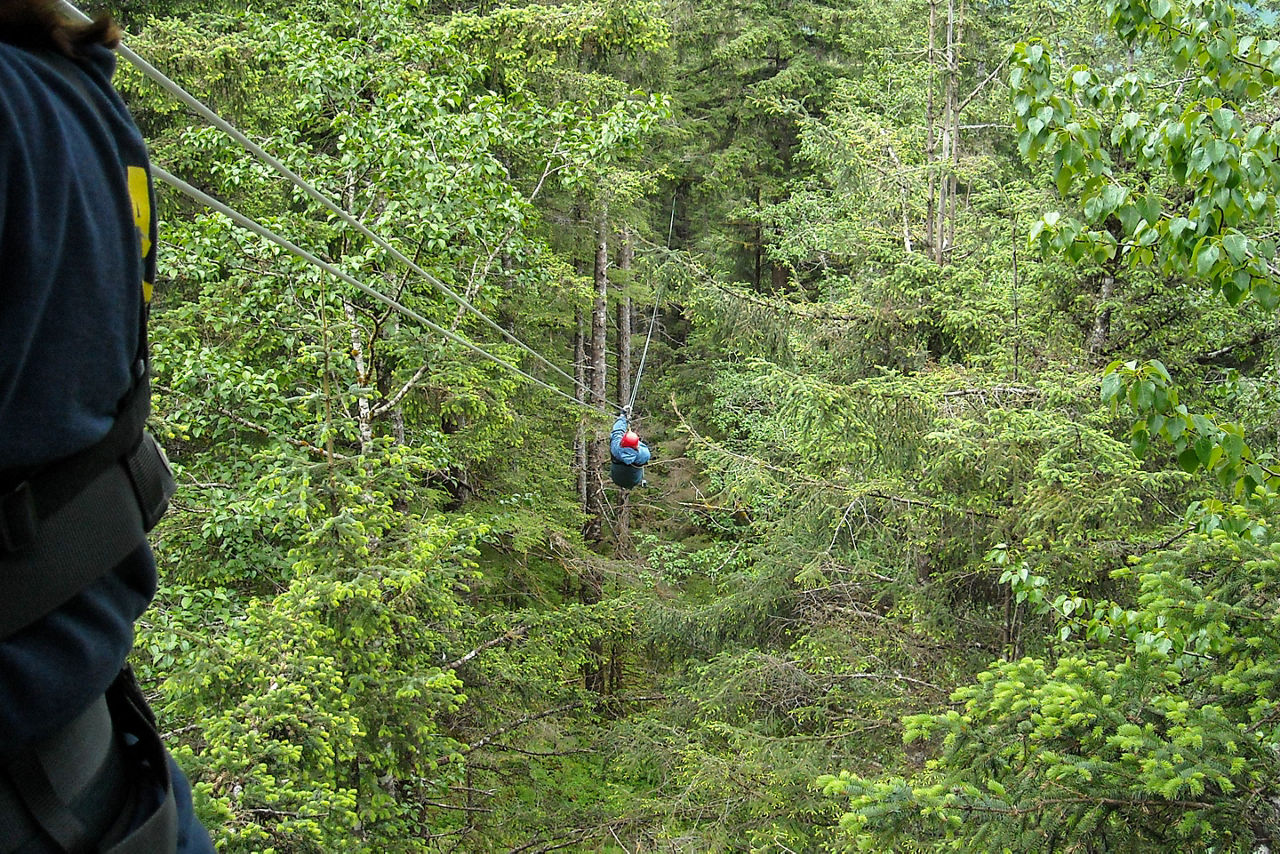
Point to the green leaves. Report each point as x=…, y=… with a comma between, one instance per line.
x=1208, y=149
x=1198, y=441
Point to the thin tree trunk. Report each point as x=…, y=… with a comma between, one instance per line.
x=931, y=134
x=580, y=389
x=759, y=243
x=597, y=372
x=594, y=671
x=599, y=313
x=953, y=76
x=626, y=256
x=904, y=190
x=395, y=412
x=364, y=412
x=946, y=179
x=1017, y=304
x=1101, y=333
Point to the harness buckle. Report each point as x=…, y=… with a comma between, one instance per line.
x=152, y=479
x=18, y=521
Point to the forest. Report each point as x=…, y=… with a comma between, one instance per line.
x=951, y=325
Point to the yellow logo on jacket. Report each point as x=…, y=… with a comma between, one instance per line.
x=140, y=194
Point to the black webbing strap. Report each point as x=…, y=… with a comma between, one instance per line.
x=74, y=521
x=41, y=785
x=57, y=483
x=158, y=833
x=83, y=540
x=100, y=786
x=50, y=814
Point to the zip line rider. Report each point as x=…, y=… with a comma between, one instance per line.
x=82, y=768
x=628, y=453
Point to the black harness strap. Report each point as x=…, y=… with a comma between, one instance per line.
x=46, y=780
x=158, y=834
x=66, y=790
x=60, y=481
x=66, y=526
x=78, y=793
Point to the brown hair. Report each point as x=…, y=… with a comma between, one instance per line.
x=40, y=24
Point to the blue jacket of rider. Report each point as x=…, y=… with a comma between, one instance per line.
x=627, y=470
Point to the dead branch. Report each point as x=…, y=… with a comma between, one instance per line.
x=513, y=634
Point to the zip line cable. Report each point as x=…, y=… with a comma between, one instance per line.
x=266, y=233
x=635, y=387
x=671, y=229
x=261, y=154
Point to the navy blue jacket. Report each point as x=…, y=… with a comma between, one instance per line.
x=627, y=469
x=77, y=262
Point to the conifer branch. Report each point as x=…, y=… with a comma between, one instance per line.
x=824, y=484
x=1041, y=805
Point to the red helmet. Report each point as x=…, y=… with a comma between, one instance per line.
x=630, y=439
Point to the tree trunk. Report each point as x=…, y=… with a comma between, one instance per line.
x=580, y=389
x=1101, y=333
x=599, y=314
x=759, y=243
x=946, y=177
x=904, y=191
x=955, y=28
x=364, y=412
x=395, y=411
x=597, y=376
x=594, y=672
x=626, y=256
x=931, y=143
x=942, y=146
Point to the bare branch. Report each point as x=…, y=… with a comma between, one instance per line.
x=391, y=402
x=458, y=807
x=513, y=634
x=537, y=716
x=982, y=85
x=893, y=677
x=539, y=753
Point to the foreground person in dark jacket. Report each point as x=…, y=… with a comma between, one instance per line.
x=81, y=766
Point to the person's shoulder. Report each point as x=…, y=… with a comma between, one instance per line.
x=100, y=59
x=10, y=54
x=97, y=60
x=13, y=71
